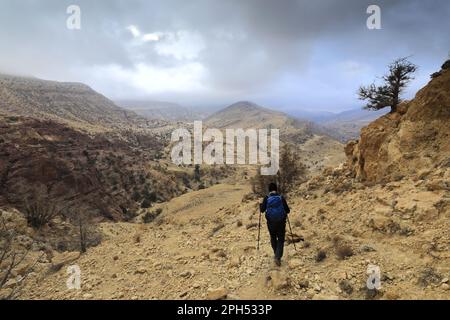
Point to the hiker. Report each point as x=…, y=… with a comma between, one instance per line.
x=276, y=209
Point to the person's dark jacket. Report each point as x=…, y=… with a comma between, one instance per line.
x=263, y=205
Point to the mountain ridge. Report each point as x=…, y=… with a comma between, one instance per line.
x=72, y=103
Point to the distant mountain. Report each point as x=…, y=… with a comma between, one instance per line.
x=314, y=116
x=71, y=103
x=347, y=125
x=246, y=114
x=316, y=148
x=168, y=111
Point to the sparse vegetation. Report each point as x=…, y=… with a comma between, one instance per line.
x=343, y=251
x=136, y=196
x=346, y=287
x=292, y=172
x=150, y=216
x=197, y=174
x=10, y=259
x=146, y=204
x=40, y=211
x=321, y=255
x=429, y=276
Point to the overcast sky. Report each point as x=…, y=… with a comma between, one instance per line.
x=283, y=54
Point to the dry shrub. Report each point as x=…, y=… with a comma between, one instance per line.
x=150, y=216
x=292, y=172
x=137, y=237
x=429, y=276
x=344, y=251
x=40, y=211
x=321, y=255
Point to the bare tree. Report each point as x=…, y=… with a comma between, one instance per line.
x=82, y=219
x=389, y=94
x=10, y=259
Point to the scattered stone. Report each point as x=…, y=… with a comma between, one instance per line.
x=186, y=274
x=140, y=270
x=295, y=263
x=278, y=280
x=11, y=283
x=183, y=294
x=61, y=259
x=392, y=296
x=25, y=268
x=235, y=262
x=321, y=296
x=303, y=284
x=346, y=287
x=217, y=294
x=251, y=226
x=367, y=248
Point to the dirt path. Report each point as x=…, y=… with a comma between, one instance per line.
x=207, y=241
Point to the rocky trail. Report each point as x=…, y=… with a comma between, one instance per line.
x=203, y=246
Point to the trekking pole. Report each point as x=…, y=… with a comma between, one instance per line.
x=259, y=228
x=292, y=235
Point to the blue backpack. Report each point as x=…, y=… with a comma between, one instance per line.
x=275, y=208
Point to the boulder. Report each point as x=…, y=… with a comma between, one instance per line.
x=278, y=280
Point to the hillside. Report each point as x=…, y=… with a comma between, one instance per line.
x=165, y=111
x=203, y=246
x=71, y=103
x=41, y=159
x=245, y=114
x=315, y=147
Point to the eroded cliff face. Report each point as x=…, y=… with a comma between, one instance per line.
x=416, y=138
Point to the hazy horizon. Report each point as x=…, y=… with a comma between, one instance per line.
x=288, y=56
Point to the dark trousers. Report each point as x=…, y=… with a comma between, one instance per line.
x=277, y=230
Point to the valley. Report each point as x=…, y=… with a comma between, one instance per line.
x=140, y=227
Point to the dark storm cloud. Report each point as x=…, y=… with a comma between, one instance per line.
x=284, y=52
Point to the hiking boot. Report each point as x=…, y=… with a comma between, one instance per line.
x=277, y=262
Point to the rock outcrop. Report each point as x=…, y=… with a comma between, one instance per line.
x=415, y=138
